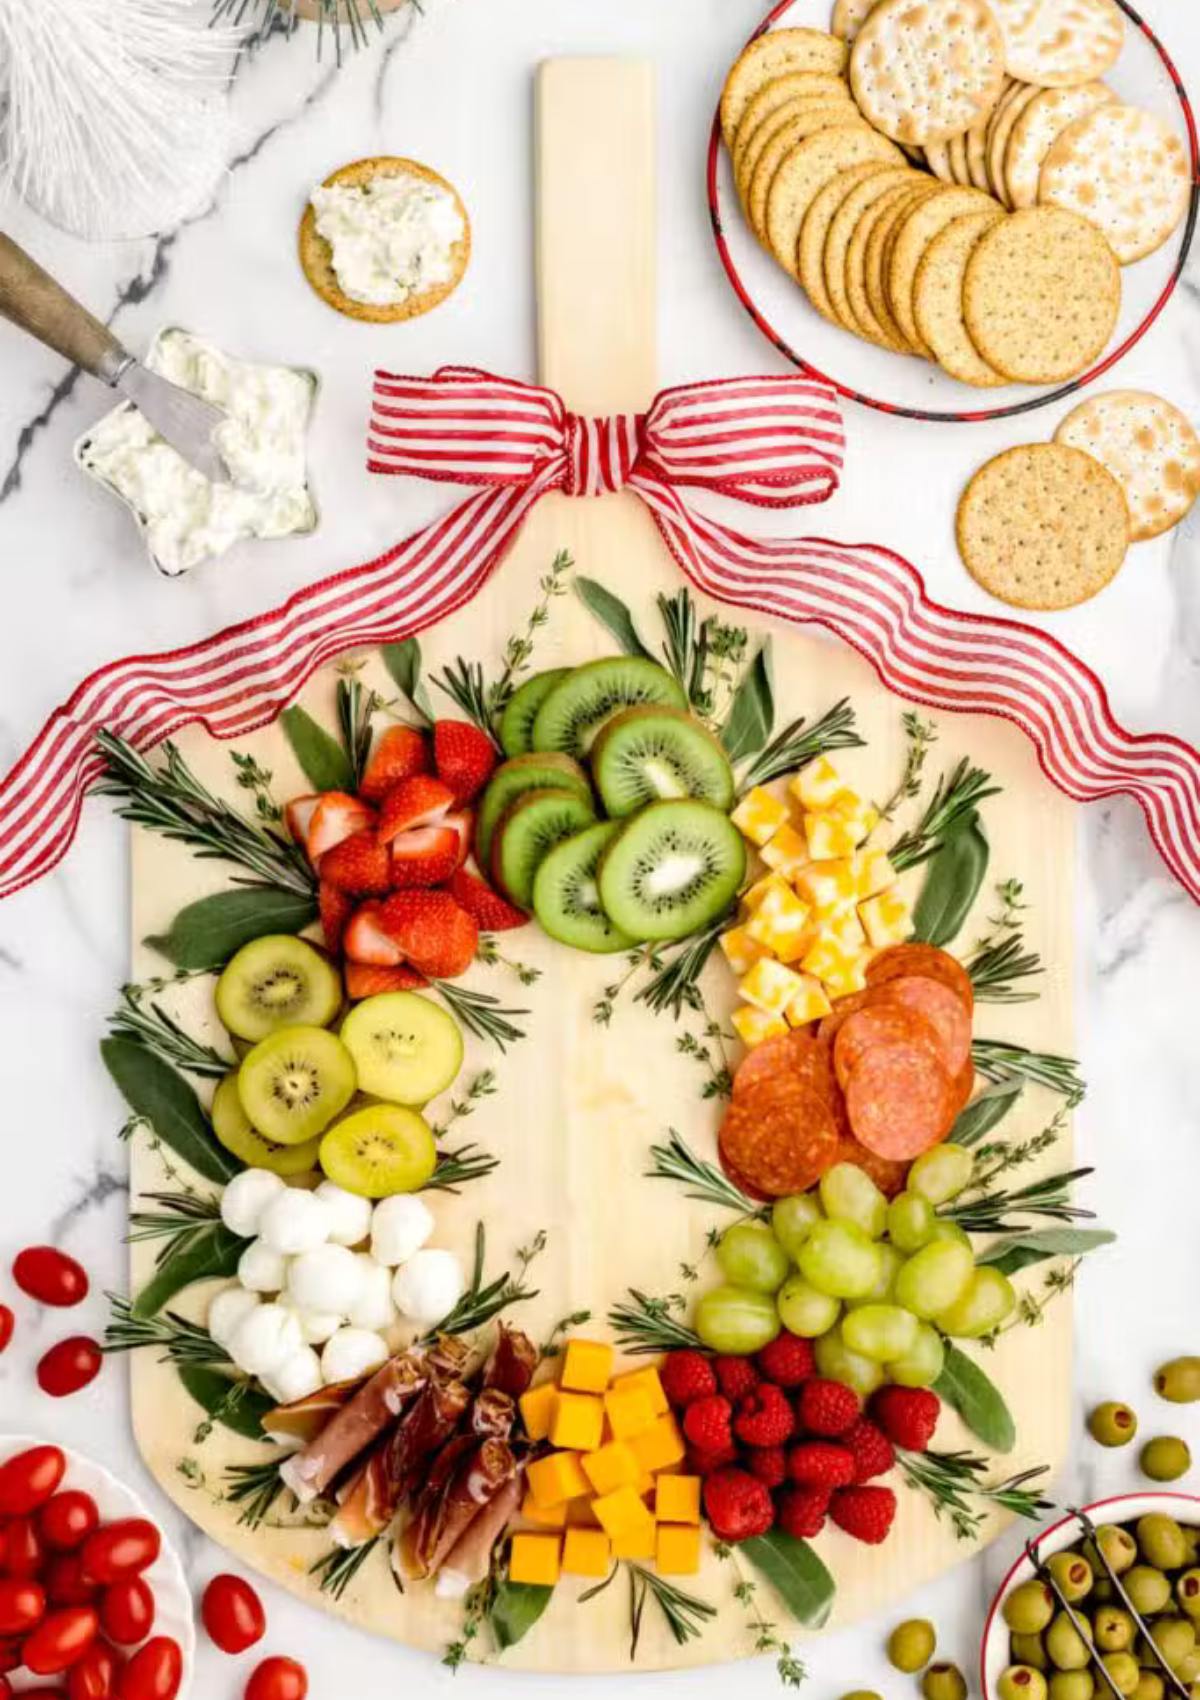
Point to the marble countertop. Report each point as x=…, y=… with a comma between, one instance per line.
x=454, y=89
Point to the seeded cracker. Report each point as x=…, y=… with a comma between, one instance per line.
x=862, y=316
x=815, y=230
x=810, y=122
x=849, y=16
x=998, y=135
x=925, y=70
x=774, y=55
x=937, y=299
x=1149, y=447
x=1125, y=171
x=781, y=91
x=1036, y=131
x=877, y=263
x=841, y=233
x=805, y=171
x=913, y=237
x=1058, y=43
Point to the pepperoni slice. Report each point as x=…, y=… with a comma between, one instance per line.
x=739, y=1180
x=780, y=1135
x=842, y=1010
x=772, y=1058
x=964, y=1086
x=900, y=1100
x=942, y=1010
x=888, y=1173
x=899, y=961
x=883, y=1023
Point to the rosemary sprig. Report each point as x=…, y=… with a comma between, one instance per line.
x=482, y=1014
x=789, y=1669
x=456, y=1168
x=996, y=963
x=919, y=735
x=796, y=745
x=184, y=1217
x=685, y=1615
x=997, y=1061
x=355, y=706
x=463, y=682
x=686, y=647
x=673, y=983
x=676, y=1161
x=340, y=1565
x=1045, y=1200
x=170, y=800
x=950, y=1480
x=255, y=1487
x=955, y=798
x=483, y=1085
x=485, y=1299
x=647, y=1324
x=182, y=1342
x=151, y=1026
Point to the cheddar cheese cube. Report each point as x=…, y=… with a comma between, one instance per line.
x=816, y=786
x=769, y=986
x=677, y=1499
x=548, y=1516
x=537, y=1409
x=759, y=816
x=659, y=1447
x=650, y=1383
x=785, y=852
x=677, y=1550
x=742, y=951
x=629, y=1411
x=586, y=1552
x=580, y=1514
x=810, y=1003
x=887, y=918
x=638, y=1543
x=535, y=1558
x=645, y=1487
x=781, y=925
x=611, y=1467
x=830, y=886
x=556, y=1477
x=831, y=835
x=578, y=1422
x=621, y=1512
x=754, y=1025
x=753, y=896
x=873, y=872
x=587, y=1365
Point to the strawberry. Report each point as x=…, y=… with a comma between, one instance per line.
x=396, y=754
x=871, y=1449
x=787, y=1361
x=359, y=864
x=298, y=814
x=363, y=981
x=335, y=817
x=335, y=908
x=703, y=1463
x=768, y=1463
x=464, y=757
x=463, y=822
x=493, y=913
x=427, y=855
x=802, y=1511
x=907, y=1415
x=764, y=1417
x=735, y=1376
x=706, y=1423
x=821, y=1464
x=366, y=940
x=737, y=1505
x=431, y=931
x=867, y=1513
x=685, y=1375
x=827, y=1407
x=419, y=801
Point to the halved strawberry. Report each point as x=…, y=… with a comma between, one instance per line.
x=396, y=754
x=336, y=907
x=335, y=817
x=463, y=822
x=364, y=981
x=367, y=941
x=492, y=912
x=359, y=864
x=426, y=856
x=464, y=757
x=431, y=931
x=298, y=814
x=419, y=801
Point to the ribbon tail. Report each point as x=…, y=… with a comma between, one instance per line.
x=876, y=601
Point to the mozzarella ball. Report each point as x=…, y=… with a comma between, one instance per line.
x=349, y=1215
x=400, y=1226
x=297, y=1376
x=352, y=1353
x=246, y=1198
x=328, y=1278
x=295, y=1221
x=373, y=1307
x=227, y=1310
x=264, y=1338
x=261, y=1270
x=430, y=1284
x=316, y=1326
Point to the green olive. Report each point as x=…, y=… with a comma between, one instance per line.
x=1072, y=1685
x=1150, y=1686
x=1028, y=1650
x=1123, y=1669
x=1029, y=1608
x=1165, y=1458
x=1160, y=1541
x=944, y=1682
x=1115, y=1544
x=863, y=1694
x=1178, y=1381
x=911, y=1644
x=1073, y=1574
x=1066, y=1646
x=1148, y=1589
x=1021, y=1682
x=1175, y=1638
x=1113, y=1630
x=1103, y=1593
x=1112, y=1424
x=1188, y=1668
x=1187, y=1592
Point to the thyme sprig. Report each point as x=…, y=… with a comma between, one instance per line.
x=996, y=964
x=255, y=1488
x=1031, y=1307
x=676, y=1161
x=256, y=779
x=919, y=735
x=955, y=798
x=951, y=1480
x=147, y=1023
x=646, y=1324
x=482, y=1014
x=184, y=1218
x=340, y=1565
x=799, y=744
x=997, y=1061
x=1045, y=1200
x=485, y=1299
x=790, y=1670
x=998, y=1157
x=483, y=1085
x=181, y=1341
x=491, y=956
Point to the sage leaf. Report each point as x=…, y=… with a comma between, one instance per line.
x=209, y=1256
x=1021, y=1251
x=795, y=1572
x=208, y=932
x=614, y=616
x=236, y=1405
x=978, y=1401
x=403, y=662
x=985, y=1112
x=953, y=878
x=752, y=712
x=515, y=1608
x=326, y=765
x=154, y=1091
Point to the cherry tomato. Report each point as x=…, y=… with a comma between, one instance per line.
x=65, y=1584
x=7, y=1323
x=127, y=1610
x=50, y=1276
x=6, y=1688
x=69, y=1366
x=10, y=1656
x=28, y=1480
x=66, y=1520
x=154, y=1672
x=60, y=1640
x=96, y=1675
x=278, y=1679
x=124, y=1548
x=22, y=1606
x=233, y=1614
x=22, y=1552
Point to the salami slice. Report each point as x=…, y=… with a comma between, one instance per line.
x=883, y=1023
x=934, y=1000
x=779, y=1135
x=900, y=1100
x=888, y=1173
x=899, y=961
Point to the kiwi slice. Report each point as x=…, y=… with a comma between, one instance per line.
x=379, y=1150
x=565, y=896
x=575, y=710
x=671, y=869
x=531, y=772
x=528, y=830
x=277, y=981
x=232, y=1127
x=516, y=723
x=649, y=755
x=406, y=1048
x=294, y=1082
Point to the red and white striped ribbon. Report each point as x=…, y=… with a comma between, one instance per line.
x=774, y=442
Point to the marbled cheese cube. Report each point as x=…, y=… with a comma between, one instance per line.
x=830, y=960
x=829, y=886
x=872, y=871
x=817, y=785
x=809, y=1004
x=850, y=975
x=831, y=835
x=785, y=852
x=781, y=924
x=741, y=950
x=862, y=817
x=887, y=918
x=752, y=1025
x=759, y=816
x=753, y=895
x=769, y=986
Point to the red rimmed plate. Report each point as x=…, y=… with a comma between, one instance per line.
x=916, y=389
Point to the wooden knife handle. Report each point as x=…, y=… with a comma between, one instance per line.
x=32, y=299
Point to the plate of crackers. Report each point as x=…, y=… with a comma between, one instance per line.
x=954, y=209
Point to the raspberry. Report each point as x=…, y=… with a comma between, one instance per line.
x=821, y=1464
x=787, y=1361
x=706, y=1423
x=737, y=1505
x=827, y=1407
x=764, y=1417
x=873, y=1454
x=768, y=1463
x=704, y=1463
x=735, y=1376
x=801, y=1511
x=907, y=1415
x=865, y=1512
x=686, y=1376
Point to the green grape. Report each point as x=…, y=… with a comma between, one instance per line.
x=987, y=1301
x=736, y=1320
x=941, y=1173
x=839, y=1259
x=803, y=1310
x=934, y=1278
x=882, y=1332
x=890, y=1261
x=792, y=1220
x=751, y=1256
x=921, y=1366
x=850, y=1195
x=944, y=1229
x=836, y=1362
x=909, y=1221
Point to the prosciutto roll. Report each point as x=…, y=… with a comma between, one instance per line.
x=376, y=1405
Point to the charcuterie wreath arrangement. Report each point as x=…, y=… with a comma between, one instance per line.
x=322, y=1078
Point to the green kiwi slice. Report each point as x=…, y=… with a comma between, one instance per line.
x=532, y=772
x=405, y=1047
x=649, y=755
x=566, y=899
x=379, y=1150
x=576, y=709
x=277, y=981
x=516, y=723
x=671, y=869
x=294, y=1082
x=232, y=1127
x=528, y=830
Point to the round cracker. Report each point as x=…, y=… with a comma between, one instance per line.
x=937, y=299
x=1041, y=295
x=937, y=158
x=316, y=255
x=1151, y=449
x=925, y=70
x=749, y=152
x=977, y=139
x=841, y=233
x=956, y=153
x=779, y=94
x=806, y=170
x=1043, y=526
x=849, y=16
x=877, y=261
x=1037, y=129
x=1123, y=169
x=809, y=122
x=913, y=237
x=774, y=54
x=1058, y=43
x=998, y=135
x=815, y=229
x=862, y=315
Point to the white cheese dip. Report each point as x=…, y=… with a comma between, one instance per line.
x=391, y=237
x=186, y=518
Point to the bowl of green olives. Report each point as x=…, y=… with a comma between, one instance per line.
x=1075, y=1635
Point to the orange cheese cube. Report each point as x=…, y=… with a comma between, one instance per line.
x=548, y=1516
x=629, y=1411
x=741, y=951
x=537, y=1409
x=753, y=1026
x=677, y=1499
x=556, y=1477
x=659, y=1447
x=610, y=1467
x=580, y=1515
x=586, y=1552
x=677, y=1550
x=587, y=1365
x=638, y=1543
x=578, y=1422
x=650, y=1382
x=621, y=1512
x=535, y=1558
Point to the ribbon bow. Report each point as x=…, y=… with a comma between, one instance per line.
x=765, y=442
